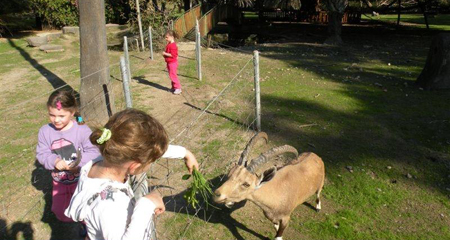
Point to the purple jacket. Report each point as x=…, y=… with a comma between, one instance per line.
x=63, y=144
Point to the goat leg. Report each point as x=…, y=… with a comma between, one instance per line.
x=318, y=205
x=282, y=225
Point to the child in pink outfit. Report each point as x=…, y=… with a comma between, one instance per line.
x=63, y=148
x=171, y=58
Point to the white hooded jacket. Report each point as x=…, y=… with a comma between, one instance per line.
x=108, y=208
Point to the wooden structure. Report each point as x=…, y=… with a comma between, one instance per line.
x=301, y=16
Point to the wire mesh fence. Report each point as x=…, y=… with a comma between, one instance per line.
x=216, y=134
x=22, y=202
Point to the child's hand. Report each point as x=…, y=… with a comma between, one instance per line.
x=190, y=161
x=156, y=198
x=61, y=164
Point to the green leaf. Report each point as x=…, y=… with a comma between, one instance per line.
x=186, y=176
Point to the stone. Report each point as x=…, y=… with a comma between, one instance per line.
x=37, y=41
x=53, y=36
x=51, y=48
x=71, y=30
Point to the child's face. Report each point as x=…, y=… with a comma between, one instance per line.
x=169, y=38
x=60, y=118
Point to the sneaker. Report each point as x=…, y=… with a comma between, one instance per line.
x=177, y=91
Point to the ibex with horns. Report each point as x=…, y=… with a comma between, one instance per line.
x=277, y=191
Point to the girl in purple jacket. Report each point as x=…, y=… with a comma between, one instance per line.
x=63, y=148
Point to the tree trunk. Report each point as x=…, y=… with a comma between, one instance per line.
x=97, y=104
x=334, y=28
x=436, y=73
x=187, y=5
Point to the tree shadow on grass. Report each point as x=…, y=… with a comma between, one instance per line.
x=360, y=95
x=52, y=78
x=213, y=214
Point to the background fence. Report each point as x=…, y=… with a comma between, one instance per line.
x=216, y=132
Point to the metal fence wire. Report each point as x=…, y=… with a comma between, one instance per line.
x=216, y=134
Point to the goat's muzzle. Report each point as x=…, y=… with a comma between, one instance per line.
x=221, y=199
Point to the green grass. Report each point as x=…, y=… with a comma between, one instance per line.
x=437, y=22
x=354, y=105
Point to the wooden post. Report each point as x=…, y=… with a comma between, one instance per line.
x=150, y=42
x=125, y=82
x=137, y=45
x=127, y=56
x=138, y=9
x=208, y=42
x=399, y=12
x=198, y=50
x=257, y=90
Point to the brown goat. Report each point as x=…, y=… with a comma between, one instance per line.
x=277, y=191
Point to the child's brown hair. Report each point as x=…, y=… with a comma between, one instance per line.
x=63, y=98
x=171, y=33
x=135, y=136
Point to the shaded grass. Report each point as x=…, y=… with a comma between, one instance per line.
x=436, y=22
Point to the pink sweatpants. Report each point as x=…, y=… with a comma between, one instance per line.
x=172, y=68
x=61, y=196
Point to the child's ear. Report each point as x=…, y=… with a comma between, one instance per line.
x=134, y=167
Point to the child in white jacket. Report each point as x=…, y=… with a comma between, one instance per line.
x=103, y=200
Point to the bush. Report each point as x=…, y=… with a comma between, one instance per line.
x=56, y=13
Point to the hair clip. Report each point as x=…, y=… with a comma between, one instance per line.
x=106, y=135
x=80, y=119
x=58, y=105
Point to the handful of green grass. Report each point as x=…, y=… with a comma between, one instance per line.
x=199, y=185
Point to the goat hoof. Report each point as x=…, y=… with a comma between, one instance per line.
x=317, y=209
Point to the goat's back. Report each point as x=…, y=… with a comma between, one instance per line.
x=294, y=183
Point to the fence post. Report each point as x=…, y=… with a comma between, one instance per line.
x=127, y=57
x=137, y=45
x=126, y=86
x=198, y=50
x=140, y=25
x=257, y=90
x=150, y=40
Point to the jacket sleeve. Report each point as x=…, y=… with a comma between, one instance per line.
x=174, y=151
x=44, y=154
x=114, y=219
x=90, y=151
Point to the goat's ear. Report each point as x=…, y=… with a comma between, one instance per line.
x=267, y=176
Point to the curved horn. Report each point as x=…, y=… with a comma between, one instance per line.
x=253, y=140
x=263, y=158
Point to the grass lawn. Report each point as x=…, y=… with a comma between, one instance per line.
x=385, y=142
x=437, y=22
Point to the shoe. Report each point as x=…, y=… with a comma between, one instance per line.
x=177, y=91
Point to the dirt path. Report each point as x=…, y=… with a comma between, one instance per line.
x=152, y=92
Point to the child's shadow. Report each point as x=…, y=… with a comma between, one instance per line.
x=142, y=80
x=41, y=179
x=177, y=204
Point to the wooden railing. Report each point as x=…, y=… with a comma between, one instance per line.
x=217, y=14
x=186, y=22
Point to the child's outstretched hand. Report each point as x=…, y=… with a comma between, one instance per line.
x=190, y=161
x=156, y=198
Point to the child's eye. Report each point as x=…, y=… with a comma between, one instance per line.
x=246, y=185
